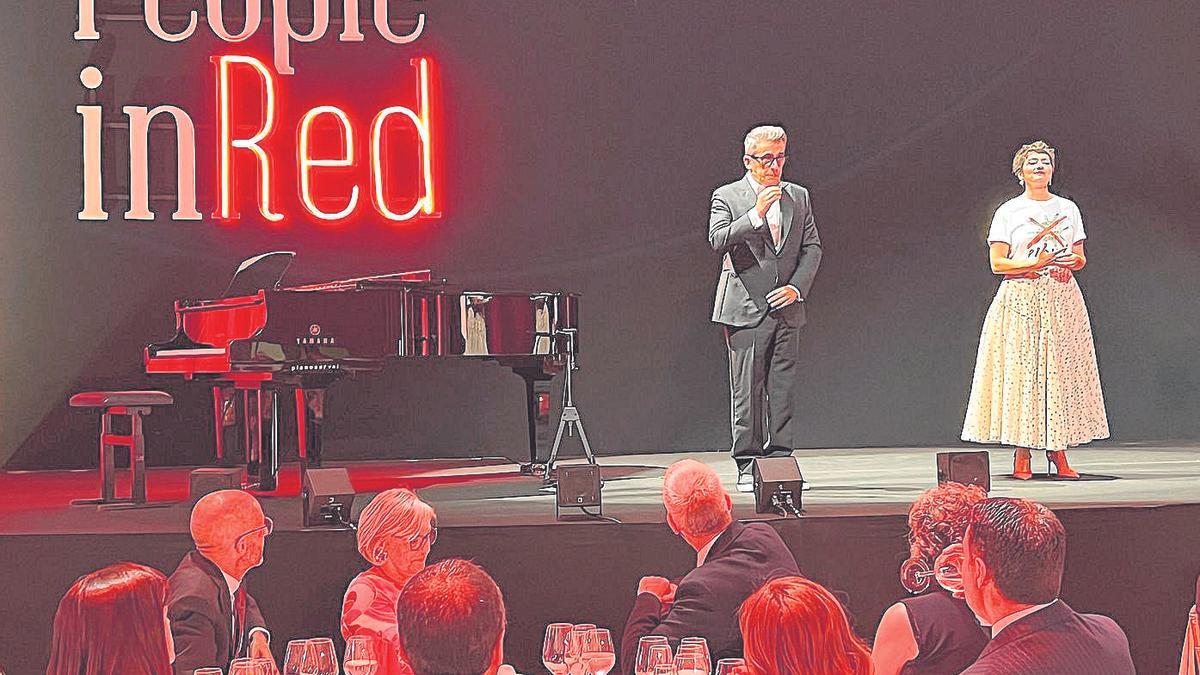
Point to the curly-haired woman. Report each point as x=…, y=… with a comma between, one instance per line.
x=934, y=632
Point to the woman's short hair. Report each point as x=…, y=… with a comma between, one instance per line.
x=937, y=519
x=110, y=622
x=793, y=625
x=1040, y=147
x=392, y=513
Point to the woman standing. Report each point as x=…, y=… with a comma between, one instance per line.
x=395, y=532
x=1036, y=383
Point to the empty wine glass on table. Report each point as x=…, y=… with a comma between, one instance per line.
x=362, y=656
x=293, y=659
x=207, y=671
x=642, y=665
x=691, y=662
x=664, y=669
x=598, y=654
x=554, y=648
x=696, y=642
x=319, y=658
x=659, y=655
x=697, y=651
x=575, y=662
x=250, y=667
x=730, y=666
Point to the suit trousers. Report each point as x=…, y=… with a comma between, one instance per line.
x=762, y=386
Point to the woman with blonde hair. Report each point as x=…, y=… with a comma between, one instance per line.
x=792, y=625
x=1036, y=383
x=395, y=533
x=933, y=632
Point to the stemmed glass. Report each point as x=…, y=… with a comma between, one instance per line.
x=730, y=666
x=642, y=664
x=250, y=667
x=695, y=646
x=554, y=648
x=319, y=658
x=362, y=656
x=575, y=662
x=207, y=671
x=691, y=662
x=293, y=659
x=664, y=669
x=657, y=655
x=598, y=654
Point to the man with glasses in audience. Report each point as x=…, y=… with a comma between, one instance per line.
x=764, y=231
x=213, y=618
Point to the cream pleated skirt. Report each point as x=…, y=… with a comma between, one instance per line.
x=1036, y=382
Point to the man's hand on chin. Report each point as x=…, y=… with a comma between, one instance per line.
x=259, y=647
x=656, y=586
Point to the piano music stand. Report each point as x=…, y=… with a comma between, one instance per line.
x=570, y=420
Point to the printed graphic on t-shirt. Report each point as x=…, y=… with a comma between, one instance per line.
x=1053, y=236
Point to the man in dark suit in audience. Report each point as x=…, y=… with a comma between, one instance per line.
x=732, y=561
x=450, y=617
x=213, y=618
x=1013, y=555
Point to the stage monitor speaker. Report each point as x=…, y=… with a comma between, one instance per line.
x=211, y=479
x=970, y=468
x=328, y=497
x=777, y=485
x=578, y=486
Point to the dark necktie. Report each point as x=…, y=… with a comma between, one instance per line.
x=239, y=620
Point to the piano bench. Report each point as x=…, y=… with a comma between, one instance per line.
x=133, y=404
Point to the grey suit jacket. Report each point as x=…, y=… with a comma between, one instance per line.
x=756, y=268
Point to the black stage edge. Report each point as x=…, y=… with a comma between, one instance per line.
x=1135, y=564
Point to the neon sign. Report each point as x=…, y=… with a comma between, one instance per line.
x=338, y=165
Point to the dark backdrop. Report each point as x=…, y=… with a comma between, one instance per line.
x=581, y=141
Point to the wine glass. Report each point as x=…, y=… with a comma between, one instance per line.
x=947, y=569
x=700, y=651
x=362, y=656
x=554, y=648
x=696, y=641
x=319, y=658
x=691, y=662
x=729, y=666
x=659, y=655
x=207, y=671
x=249, y=667
x=642, y=664
x=598, y=653
x=293, y=659
x=664, y=669
x=575, y=662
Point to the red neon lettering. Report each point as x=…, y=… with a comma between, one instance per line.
x=420, y=122
x=307, y=162
x=228, y=143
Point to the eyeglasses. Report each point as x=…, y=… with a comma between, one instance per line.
x=769, y=160
x=267, y=527
x=419, y=540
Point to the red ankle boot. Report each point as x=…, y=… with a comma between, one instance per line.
x=1062, y=470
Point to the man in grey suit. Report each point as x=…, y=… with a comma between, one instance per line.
x=763, y=228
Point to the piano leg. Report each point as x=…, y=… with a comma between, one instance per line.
x=310, y=414
x=268, y=404
x=219, y=421
x=251, y=436
x=537, y=407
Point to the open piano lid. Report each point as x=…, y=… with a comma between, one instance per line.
x=261, y=272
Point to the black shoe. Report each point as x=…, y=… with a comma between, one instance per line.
x=745, y=482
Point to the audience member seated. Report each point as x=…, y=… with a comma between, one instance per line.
x=934, y=633
x=1013, y=555
x=450, y=618
x=113, y=622
x=732, y=561
x=213, y=618
x=792, y=625
x=395, y=532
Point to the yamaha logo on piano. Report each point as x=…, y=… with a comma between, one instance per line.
x=308, y=341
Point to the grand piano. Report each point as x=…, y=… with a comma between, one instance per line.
x=261, y=341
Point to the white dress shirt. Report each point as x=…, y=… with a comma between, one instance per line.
x=702, y=554
x=1017, y=616
x=234, y=585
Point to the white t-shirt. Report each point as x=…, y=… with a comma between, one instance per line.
x=1030, y=226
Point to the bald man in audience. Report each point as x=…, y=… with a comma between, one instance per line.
x=213, y=618
x=732, y=561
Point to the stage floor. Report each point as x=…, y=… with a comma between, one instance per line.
x=492, y=492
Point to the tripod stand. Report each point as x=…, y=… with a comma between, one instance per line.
x=569, y=421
